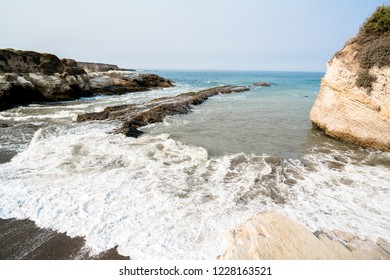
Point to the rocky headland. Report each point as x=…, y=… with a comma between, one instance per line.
x=354, y=99
x=27, y=77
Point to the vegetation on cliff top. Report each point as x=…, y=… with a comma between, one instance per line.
x=378, y=23
x=374, y=39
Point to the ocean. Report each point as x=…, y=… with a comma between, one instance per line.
x=175, y=192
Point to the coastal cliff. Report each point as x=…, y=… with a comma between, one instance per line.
x=27, y=77
x=354, y=99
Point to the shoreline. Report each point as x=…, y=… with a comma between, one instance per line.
x=266, y=236
x=23, y=240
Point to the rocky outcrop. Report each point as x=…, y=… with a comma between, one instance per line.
x=354, y=100
x=136, y=116
x=119, y=82
x=27, y=77
x=270, y=236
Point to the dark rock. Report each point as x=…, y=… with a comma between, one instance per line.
x=262, y=84
x=133, y=132
x=15, y=61
x=136, y=116
x=3, y=125
x=119, y=82
x=152, y=80
x=27, y=76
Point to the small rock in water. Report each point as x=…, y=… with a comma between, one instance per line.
x=262, y=84
x=3, y=125
x=133, y=132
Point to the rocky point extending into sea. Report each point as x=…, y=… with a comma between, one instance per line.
x=28, y=77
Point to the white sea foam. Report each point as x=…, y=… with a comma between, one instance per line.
x=159, y=198
x=155, y=197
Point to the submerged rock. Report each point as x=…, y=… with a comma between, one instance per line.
x=262, y=84
x=27, y=77
x=354, y=99
x=136, y=116
x=271, y=236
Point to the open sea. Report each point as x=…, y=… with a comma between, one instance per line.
x=176, y=191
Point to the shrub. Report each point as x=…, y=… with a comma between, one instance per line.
x=374, y=41
x=376, y=54
x=365, y=79
x=378, y=22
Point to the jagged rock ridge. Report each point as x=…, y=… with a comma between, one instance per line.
x=134, y=116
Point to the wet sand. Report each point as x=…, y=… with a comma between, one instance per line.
x=6, y=156
x=23, y=240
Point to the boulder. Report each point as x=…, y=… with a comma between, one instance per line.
x=271, y=236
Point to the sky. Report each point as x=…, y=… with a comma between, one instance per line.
x=277, y=35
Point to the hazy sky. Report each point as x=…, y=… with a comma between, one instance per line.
x=186, y=34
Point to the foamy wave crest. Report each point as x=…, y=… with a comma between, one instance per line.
x=337, y=190
x=157, y=198
x=152, y=196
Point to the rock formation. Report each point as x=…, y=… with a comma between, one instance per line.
x=135, y=116
x=270, y=236
x=354, y=99
x=119, y=82
x=100, y=67
x=27, y=77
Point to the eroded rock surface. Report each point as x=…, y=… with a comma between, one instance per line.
x=271, y=236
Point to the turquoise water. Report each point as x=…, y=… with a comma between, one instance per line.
x=272, y=120
x=175, y=192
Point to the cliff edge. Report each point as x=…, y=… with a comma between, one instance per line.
x=354, y=99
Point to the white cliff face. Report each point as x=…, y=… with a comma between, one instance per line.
x=348, y=112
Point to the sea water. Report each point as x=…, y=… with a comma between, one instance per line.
x=175, y=192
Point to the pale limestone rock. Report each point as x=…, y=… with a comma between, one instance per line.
x=271, y=236
x=350, y=113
